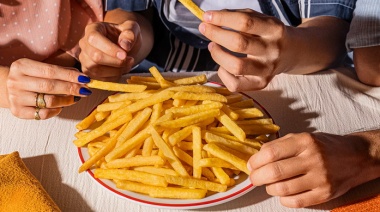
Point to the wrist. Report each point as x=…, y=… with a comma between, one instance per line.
x=367, y=145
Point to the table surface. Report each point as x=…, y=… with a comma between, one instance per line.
x=331, y=101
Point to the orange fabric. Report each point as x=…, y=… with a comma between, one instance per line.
x=19, y=189
x=367, y=205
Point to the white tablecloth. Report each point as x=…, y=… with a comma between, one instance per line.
x=330, y=101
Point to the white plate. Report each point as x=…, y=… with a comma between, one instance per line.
x=243, y=185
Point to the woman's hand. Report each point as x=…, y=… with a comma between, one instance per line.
x=259, y=39
x=307, y=169
x=107, y=49
x=61, y=87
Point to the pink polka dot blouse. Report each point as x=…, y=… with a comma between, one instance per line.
x=36, y=29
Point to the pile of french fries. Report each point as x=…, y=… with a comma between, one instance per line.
x=175, y=138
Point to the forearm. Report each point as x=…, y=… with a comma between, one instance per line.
x=316, y=44
x=118, y=16
x=367, y=65
x=4, y=101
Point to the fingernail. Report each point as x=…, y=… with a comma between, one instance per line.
x=207, y=16
x=210, y=46
x=126, y=45
x=249, y=167
x=85, y=91
x=77, y=98
x=83, y=79
x=202, y=28
x=121, y=55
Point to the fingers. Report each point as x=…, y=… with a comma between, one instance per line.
x=48, y=86
x=43, y=70
x=278, y=171
x=296, y=185
x=276, y=150
x=130, y=33
x=243, y=21
x=307, y=198
x=243, y=42
x=96, y=35
x=236, y=83
x=29, y=112
x=93, y=55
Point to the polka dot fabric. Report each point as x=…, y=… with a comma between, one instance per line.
x=36, y=29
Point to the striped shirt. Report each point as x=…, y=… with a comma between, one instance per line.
x=365, y=25
x=177, y=49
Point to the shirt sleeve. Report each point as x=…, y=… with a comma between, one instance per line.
x=365, y=25
x=336, y=8
x=128, y=5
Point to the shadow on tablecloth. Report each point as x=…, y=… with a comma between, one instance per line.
x=53, y=183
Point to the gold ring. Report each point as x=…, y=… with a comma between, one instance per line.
x=36, y=114
x=40, y=101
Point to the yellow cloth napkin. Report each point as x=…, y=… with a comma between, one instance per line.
x=368, y=205
x=19, y=189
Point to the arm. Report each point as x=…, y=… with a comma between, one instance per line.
x=318, y=44
x=4, y=102
x=367, y=65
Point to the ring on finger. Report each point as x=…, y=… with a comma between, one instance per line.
x=36, y=114
x=40, y=100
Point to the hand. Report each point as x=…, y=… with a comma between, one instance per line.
x=308, y=169
x=106, y=49
x=61, y=86
x=258, y=37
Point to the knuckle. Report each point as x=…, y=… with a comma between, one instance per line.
x=295, y=202
x=241, y=44
x=276, y=172
x=49, y=71
x=96, y=56
x=246, y=23
x=282, y=189
x=238, y=67
x=233, y=86
x=272, y=152
x=46, y=86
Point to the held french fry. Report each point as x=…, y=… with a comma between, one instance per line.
x=190, y=5
x=111, y=86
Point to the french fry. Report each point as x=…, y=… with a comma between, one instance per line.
x=199, y=79
x=212, y=138
x=178, y=193
x=215, y=162
x=190, y=119
x=120, y=97
x=224, y=155
x=184, y=111
x=157, y=75
x=156, y=170
x=136, y=176
x=111, y=106
x=231, y=126
x=180, y=135
x=197, y=152
x=195, y=183
x=193, y=88
x=168, y=152
x=111, y=86
x=135, y=161
x=190, y=5
x=103, y=129
x=199, y=96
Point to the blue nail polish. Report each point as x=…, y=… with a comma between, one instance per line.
x=85, y=91
x=77, y=98
x=83, y=79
